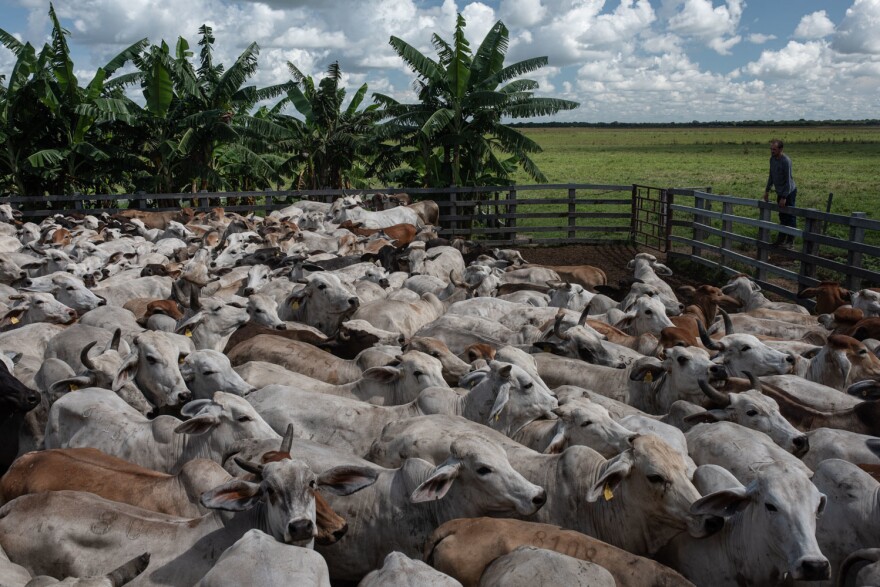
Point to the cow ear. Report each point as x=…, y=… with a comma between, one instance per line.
x=346, y=480
x=707, y=417
x=191, y=324
x=500, y=401
x=811, y=353
x=192, y=408
x=616, y=470
x=59, y=388
x=437, y=485
x=382, y=374
x=642, y=369
x=14, y=356
x=557, y=443
x=549, y=347
x=234, y=496
x=127, y=370
x=13, y=316
x=722, y=503
x=198, y=425
x=810, y=292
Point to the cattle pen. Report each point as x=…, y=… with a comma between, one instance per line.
x=722, y=233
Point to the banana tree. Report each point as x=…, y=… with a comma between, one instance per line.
x=455, y=131
x=332, y=143
x=70, y=156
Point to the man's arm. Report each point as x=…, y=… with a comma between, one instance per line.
x=785, y=165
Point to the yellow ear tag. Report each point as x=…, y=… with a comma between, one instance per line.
x=649, y=377
x=73, y=387
x=189, y=333
x=14, y=320
x=607, y=492
x=294, y=305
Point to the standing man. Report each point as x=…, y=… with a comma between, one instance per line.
x=786, y=191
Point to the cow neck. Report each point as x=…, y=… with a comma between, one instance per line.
x=237, y=524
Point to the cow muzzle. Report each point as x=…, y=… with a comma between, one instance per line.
x=812, y=569
x=299, y=531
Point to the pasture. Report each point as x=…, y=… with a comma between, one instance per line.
x=733, y=161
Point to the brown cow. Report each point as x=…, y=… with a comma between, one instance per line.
x=464, y=548
x=829, y=296
x=584, y=275
x=401, y=234
x=88, y=469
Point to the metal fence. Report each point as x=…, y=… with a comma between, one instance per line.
x=721, y=232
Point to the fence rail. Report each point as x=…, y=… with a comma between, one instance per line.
x=732, y=234
x=722, y=232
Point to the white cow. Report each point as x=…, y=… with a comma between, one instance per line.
x=98, y=418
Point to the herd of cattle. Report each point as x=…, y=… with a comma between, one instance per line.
x=331, y=393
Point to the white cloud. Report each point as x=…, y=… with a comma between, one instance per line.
x=814, y=26
x=760, y=39
x=857, y=32
x=702, y=20
x=796, y=61
x=521, y=13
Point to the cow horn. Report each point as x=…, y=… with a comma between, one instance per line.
x=128, y=571
x=287, y=441
x=728, y=323
x=194, y=303
x=754, y=381
x=557, y=323
x=114, y=342
x=250, y=467
x=582, y=319
x=704, y=336
x=722, y=399
x=457, y=283
x=84, y=356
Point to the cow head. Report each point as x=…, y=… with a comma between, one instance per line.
x=285, y=495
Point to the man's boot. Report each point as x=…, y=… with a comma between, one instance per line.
x=789, y=241
x=780, y=240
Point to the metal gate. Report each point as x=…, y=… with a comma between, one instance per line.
x=651, y=222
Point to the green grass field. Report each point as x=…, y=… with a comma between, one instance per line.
x=733, y=161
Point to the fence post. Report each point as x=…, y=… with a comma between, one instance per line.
x=453, y=199
x=854, y=258
x=809, y=247
x=699, y=234
x=511, y=222
x=634, y=221
x=572, y=209
x=726, y=227
x=667, y=198
x=763, y=253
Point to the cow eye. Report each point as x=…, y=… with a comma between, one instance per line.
x=417, y=373
x=322, y=286
x=746, y=349
x=863, y=352
x=260, y=312
x=484, y=471
x=586, y=423
x=208, y=373
x=312, y=484
x=528, y=385
x=70, y=288
x=682, y=360
x=770, y=507
x=752, y=413
x=152, y=360
x=245, y=418
x=435, y=354
x=649, y=312
x=39, y=302
x=656, y=478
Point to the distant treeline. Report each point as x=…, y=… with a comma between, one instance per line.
x=698, y=124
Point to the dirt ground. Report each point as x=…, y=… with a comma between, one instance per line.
x=612, y=259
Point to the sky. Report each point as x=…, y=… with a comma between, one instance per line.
x=622, y=60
